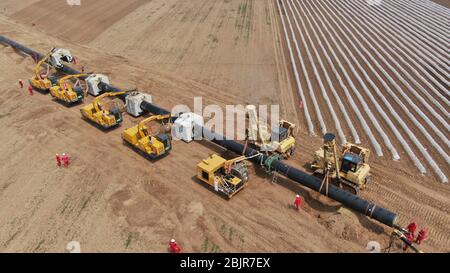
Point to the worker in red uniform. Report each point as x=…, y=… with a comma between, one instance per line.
x=66, y=160
x=411, y=228
x=174, y=248
x=298, y=202
x=58, y=160
x=422, y=236
x=30, y=90
x=21, y=83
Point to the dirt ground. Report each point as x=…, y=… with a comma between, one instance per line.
x=113, y=200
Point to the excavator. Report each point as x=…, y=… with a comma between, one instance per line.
x=66, y=91
x=105, y=117
x=151, y=146
x=225, y=176
x=352, y=172
x=55, y=57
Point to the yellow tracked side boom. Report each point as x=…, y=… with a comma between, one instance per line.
x=66, y=91
x=140, y=138
x=96, y=113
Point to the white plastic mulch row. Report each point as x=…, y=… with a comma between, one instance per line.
x=434, y=6
x=395, y=59
x=341, y=83
x=414, y=81
x=424, y=60
x=421, y=28
x=410, y=55
x=394, y=40
x=366, y=90
x=404, y=82
x=349, y=96
x=306, y=74
x=423, y=15
x=366, y=107
x=443, y=54
x=411, y=135
x=427, y=15
x=296, y=75
x=335, y=118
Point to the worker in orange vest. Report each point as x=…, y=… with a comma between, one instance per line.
x=58, y=160
x=298, y=202
x=422, y=236
x=174, y=248
x=30, y=90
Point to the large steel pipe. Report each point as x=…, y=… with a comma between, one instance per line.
x=20, y=47
x=151, y=108
x=349, y=200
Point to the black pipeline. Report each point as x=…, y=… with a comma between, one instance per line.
x=349, y=200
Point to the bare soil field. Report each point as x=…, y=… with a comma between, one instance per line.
x=113, y=200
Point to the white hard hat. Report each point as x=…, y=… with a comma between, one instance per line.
x=297, y=196
x=64, y=154
x=172, y=241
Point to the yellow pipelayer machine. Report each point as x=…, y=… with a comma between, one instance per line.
x=98, y=114
x=66, y=91
x=225, y=176
x=55, y=56
x=352, y=171
x=141, y=139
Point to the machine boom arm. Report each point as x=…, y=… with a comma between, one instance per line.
x=37, y=69
x=75, y=76
x=110, y=94
x=150, y=119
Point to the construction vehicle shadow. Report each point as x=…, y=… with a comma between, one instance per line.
x=370, y=225
x=18, y=52
x=141, y=153
x=41, y=91
x=217, y=149
x=66, y=104
x=101, y=128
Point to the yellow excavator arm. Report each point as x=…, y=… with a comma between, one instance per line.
x=37, y=69
x=150, y=119
x=229, y=163
x=110, y=94
x=68, y=77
